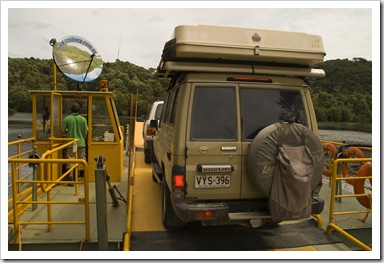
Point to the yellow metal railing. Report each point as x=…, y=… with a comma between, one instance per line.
x=336, y=177
x=131, y=163
x=20, y=146
x=20, y=200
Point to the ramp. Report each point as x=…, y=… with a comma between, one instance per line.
x=233, y=238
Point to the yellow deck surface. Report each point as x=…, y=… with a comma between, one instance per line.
x=146, y=206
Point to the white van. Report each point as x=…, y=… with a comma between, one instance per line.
x=153, y=113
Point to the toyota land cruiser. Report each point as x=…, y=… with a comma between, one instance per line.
x=214, y=109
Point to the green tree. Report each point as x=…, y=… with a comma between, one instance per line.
x=345, y=94
x=19, y=100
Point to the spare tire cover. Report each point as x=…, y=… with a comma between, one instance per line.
x=261, y=157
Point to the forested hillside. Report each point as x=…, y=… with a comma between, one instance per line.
x=345, y=94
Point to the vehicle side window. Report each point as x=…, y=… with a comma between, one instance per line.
x=166, y=108
x=170, y=107
x=214, y=114
x=262, y=107
x=174, y=108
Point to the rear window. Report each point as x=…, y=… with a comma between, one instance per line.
x=262, y=107
x=214, y=114
x=158, y=111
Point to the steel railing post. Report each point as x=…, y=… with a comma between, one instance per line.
x=101, y=203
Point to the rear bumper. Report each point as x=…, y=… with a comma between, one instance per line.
x=223, y=210
x=231, y=210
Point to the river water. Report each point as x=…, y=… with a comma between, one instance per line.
x=361, y=134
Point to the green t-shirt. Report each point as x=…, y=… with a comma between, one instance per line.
x=75, y=125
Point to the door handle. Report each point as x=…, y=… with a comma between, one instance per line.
x=228, y=149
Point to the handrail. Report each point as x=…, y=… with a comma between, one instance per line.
x=336, y=177
x=21, y=141
x=50, y=152
x=49, y=202
x=131, y=174
x=127, y=235
x=20, y=204
x=19, y=154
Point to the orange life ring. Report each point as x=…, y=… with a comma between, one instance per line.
x=358, y=186
x=348, y=153
x=332, y=151
x=354, y=151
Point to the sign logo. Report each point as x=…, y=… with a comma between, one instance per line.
x=76, y=40
x=256, y=38
x=203, y=149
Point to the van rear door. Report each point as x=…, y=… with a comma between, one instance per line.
x=213, y=161
x=261, y=106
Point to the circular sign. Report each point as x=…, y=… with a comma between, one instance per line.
x=77, y=58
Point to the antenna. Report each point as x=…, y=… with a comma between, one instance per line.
x=118, y=51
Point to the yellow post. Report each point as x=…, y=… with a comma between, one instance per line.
x=49, y=210
x=130, y=144
x=54, y=76
x=16, y=226
x=129, y=150
x=137, y=99
x=86, y=202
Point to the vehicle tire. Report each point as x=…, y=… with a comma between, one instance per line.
x=261, y=156
x=154, y=178
x=169, y=218
x=147, y=156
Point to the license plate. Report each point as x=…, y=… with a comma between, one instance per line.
x=212, y=181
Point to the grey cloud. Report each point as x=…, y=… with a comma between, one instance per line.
x=143, y=32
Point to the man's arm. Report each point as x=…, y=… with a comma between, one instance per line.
x=85, y=132
x=64, y=129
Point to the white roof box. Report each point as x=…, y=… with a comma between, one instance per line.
x=245, y=45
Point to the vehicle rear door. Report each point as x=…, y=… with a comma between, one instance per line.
x=261, y=106
x=213, y=153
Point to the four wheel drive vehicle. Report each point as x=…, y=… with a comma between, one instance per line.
x=238, y=139
x=153, y=114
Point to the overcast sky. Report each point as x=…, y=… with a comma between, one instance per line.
x=129, y=32
x=136, y=31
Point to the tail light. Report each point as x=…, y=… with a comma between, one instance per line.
x=150, y=131
x=178, y=182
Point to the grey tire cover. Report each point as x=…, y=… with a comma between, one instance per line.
x=261, y=157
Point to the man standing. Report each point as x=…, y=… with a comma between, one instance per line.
x=75, y=126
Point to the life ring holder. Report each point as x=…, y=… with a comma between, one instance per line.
x=349, y=153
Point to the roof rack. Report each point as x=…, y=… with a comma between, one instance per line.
x=171, y=68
